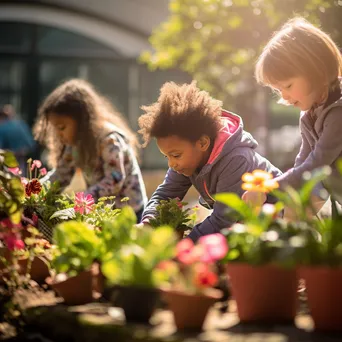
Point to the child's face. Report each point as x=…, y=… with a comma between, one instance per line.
x=65, y=127
x=298, y=91
x=184, y=156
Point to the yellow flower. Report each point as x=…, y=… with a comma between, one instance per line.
x=259, y=180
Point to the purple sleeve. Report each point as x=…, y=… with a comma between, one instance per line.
x=230, y=181
x=174, y=185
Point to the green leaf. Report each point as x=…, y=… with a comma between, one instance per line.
x=311, y=181
x=16, y=217
x=65, y=214
x=142, y=274
x=111, y=270
x=233, y=201
x=10, y=159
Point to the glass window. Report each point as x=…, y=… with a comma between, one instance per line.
x=111, y=79
x=11, y=83
x=15, y=37
x=52, y=73
x=55, y=41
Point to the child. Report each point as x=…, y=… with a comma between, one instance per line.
x=82, y=130
x=205, y=146
x=303, y=64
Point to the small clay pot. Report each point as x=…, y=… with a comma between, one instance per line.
x=190, y=310
x=266, y=293
x=324, y=296
x=75, y=290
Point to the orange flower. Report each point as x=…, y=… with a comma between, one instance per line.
x=259, y=180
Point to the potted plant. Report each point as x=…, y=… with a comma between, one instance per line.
x=23, y=251
x=173, y=213
x=11, y=189
x=189, y=281
x=321, y=267
x=41, y=196
x=261, y=261
x=264, y=249
x=130, y=271
x=77, y=246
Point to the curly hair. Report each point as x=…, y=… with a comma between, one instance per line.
x=181, y=110
x=79, y=100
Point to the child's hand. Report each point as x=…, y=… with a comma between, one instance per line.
x=254, y=198
x=143, y=224
x=140, y=225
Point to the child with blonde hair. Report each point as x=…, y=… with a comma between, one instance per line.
x=303, y=65
x=83, y=131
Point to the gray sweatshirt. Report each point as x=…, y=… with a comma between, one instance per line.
x=321, y=141
x=233, y=155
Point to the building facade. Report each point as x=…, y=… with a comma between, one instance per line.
x=43, y=43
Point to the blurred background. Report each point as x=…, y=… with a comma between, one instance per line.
x=129, y=48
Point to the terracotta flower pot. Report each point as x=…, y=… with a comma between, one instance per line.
x=39, y=269
x=263, y=293
x=323, y=286
x=98, y=278
x=138, y=303
x=190, y=310
x=74, y=290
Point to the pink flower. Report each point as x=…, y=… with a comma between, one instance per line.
x=187, y=252
x=14, y=170
x=215, y=247
x=36, y=164
x=43, y=171
x=24, y=181
x=83, y=204
x=12, y=242
x=204, y=277
x=180, y=205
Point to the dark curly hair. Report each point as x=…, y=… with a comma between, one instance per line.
x=79, y=100
x=181, y=110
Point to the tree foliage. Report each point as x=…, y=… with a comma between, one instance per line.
x=217, y=41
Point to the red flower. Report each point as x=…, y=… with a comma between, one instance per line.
x=33, y=187
x=83, y=204
x=13, y=242
x=35, y=220
x=7, y=223
x=204, y=277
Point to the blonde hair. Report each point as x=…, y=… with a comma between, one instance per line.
x=300, y=49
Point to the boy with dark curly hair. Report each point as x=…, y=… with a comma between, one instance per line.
x=205, y=146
